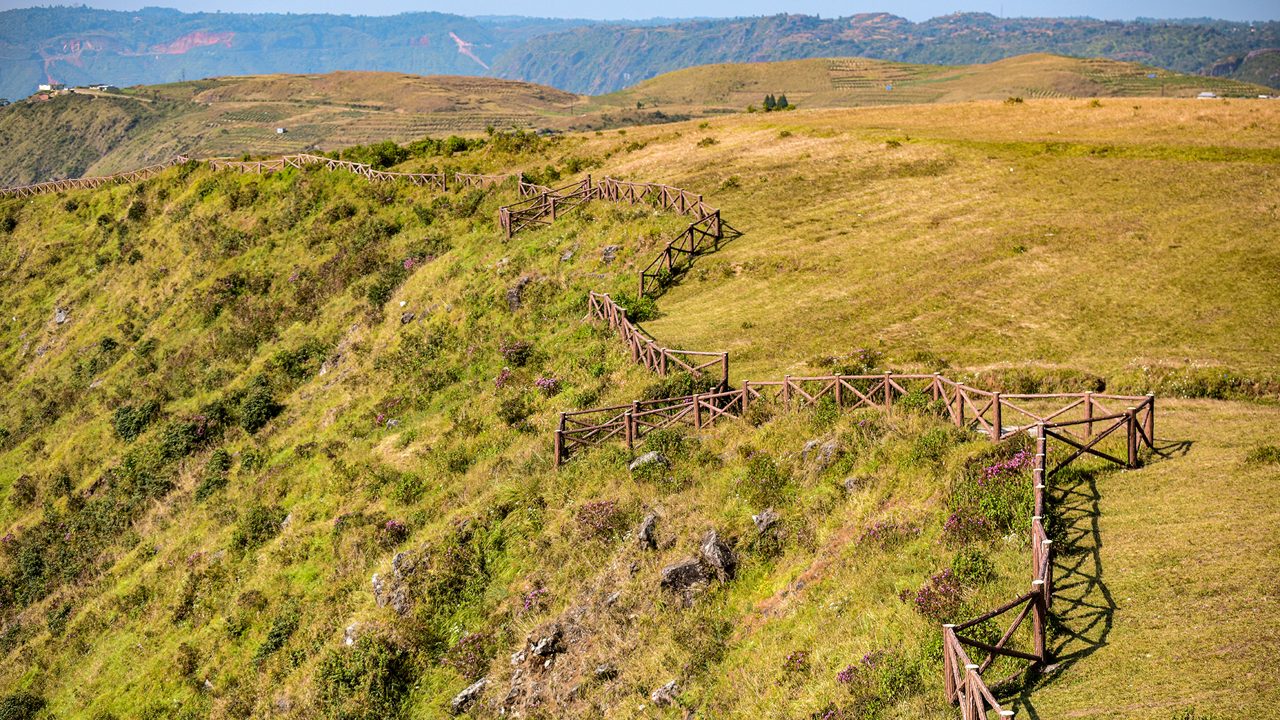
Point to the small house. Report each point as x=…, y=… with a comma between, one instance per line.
x=1207, y=96
x=52, y=87
x=281, y=131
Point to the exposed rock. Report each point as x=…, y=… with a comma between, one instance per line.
x=647, y=534
x=607, y=671
x=515, y=293
x=612, y=599
x=406, y=318
x=765, y=520
x=665, y=695
x=379, y=590
x=518, y=657
x=609, y=253
x=61, y=315
x=349, y=634
x=855, y=483
x=567, y=256
x=685, y=574
x=820, y=453
x=467, y=698
x=653, y=457
x=718, y=556
x=549, y=644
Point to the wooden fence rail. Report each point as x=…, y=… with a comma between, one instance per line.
x=646, y=351
x=52, y=186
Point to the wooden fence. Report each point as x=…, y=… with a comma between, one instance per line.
x=1079, y=421
x=87, y=183
x=646, y=351
x=542, y=204
x=484, y=182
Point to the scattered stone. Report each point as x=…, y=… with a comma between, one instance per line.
x=406, y=318
x=855, y=483
x=685, y=574
x=610, y=253
x=820, y=453
x=467, y=698
x=606, y=671
x=765, y=521
x=650, y=458
x=567, y=256
x=718, y=556
x=613, y=598
x=665, y=695
x=549, y=644
x=518, y=657
x=647, y=533
x=61, y=315
x=349, y=634
x=515, y=293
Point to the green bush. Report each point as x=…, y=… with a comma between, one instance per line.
x=931, y=446
x=259, y=524
x=514, y=410
x=679, y=384
x=214, y=477
x=282, y=628
x=1264, y=455
x=636, y=309
x=21, y=706
x=972, y=567
x=764, y=483
x=258, y=407
x=367, y=681
x=130, y=421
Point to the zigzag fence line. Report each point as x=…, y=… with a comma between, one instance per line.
x=1080, y=421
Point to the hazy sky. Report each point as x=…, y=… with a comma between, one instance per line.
x=913, y=9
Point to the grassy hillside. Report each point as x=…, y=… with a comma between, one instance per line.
x=232, y=116
x=233, y=399
x=846, y=82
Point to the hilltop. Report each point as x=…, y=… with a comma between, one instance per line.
x=282, y=444
x=89, y=132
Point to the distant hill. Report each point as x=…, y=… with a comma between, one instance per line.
x=83, y=45
x=595, y=59
x=79, y=133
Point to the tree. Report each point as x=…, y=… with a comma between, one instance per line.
x=769, y=102
x=782, y=102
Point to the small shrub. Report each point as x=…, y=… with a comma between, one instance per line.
x=930, y=446
x=367, y=681
x=21, y=706
x=282, y=628
x=796, y=662
x=940, y=599
x=258, y=407
x=669, y=441
x=1013, y=100
x=514, y=410
x=23, y=492
x=259, y=524
x=186, y=661
x=130, y=421
x=972, y=567
x=469, y=657
x=764, y=483
x=516, y=352
x=548, y=386
x=392, y=533
x=636, y=309
x=964, y=526
x=858, y=362
x=601, y=518
x=214, y=477
x=679, y=384
x=707, y=142
x=137, y=210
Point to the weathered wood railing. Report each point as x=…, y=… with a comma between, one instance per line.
x=480, y=181
x=302, y=160
x=702, y=236
x=646, y=351
x=87, y=183
x=1080, y=421
x=664, y=196
x=542, y=205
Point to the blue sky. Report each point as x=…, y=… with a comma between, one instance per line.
x=913, y=9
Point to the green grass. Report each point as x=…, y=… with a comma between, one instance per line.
x=227, y=283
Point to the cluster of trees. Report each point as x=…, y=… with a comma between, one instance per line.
x=779, y=103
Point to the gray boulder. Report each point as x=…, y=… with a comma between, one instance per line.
x=665, y=695
x=765, y=521
x=653, y=457
x=718, y=556
x=647, y=533
x=685, y=574
x=468, y=697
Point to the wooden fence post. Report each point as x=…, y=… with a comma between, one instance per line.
x=1038, y=617
x=786, y=390
x=630, y=430
x=697, y=412
x=724, y=371
x=960, y=405
x=1038, y=474
x=888, y=391
x=1131, y=426
x=948, y=663
x=997, y=422
x=560, y=441
x=1088, y=414
x=839, y=391
x=1151, y=420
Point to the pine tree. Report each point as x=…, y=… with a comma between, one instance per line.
x=769, y=102
x=782, y=102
